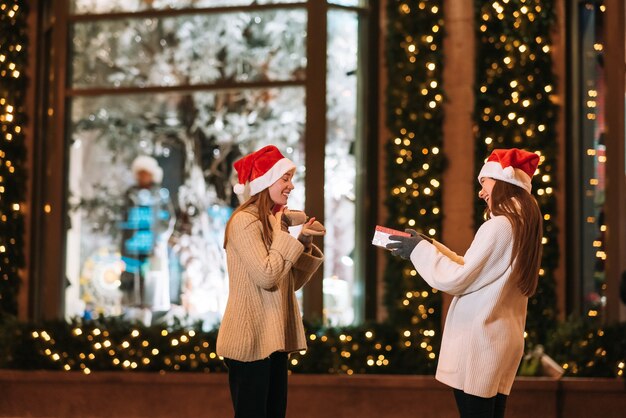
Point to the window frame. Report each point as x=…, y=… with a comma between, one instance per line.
x=50, y=182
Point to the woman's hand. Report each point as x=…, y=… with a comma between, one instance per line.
x=281, y=219
x=313, y=227
x=404, y=246
x=310, y=228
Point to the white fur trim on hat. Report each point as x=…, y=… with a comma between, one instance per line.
x=261, y=183
x=149, y=164
x=509, y=174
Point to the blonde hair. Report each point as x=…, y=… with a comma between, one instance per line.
x=522, y=210
x=264, y=204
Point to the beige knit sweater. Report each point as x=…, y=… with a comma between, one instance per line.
x=262, y=314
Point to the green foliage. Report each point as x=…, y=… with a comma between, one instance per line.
x=9, y=339
x=586, y=348
x=14, y=53
x=515, y=108
x=111, y=344
x=368, y=348
x=583, y=348
x=414, y=161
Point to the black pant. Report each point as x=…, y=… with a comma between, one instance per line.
x=471, y=406
x=259, y=388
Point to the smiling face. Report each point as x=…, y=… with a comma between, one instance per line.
x=279, y=191
x=485, y=192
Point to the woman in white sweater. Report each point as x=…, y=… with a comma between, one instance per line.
x=483, y=338
x=266, y=265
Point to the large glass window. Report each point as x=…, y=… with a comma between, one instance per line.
x=190, y=49
x=195, y=137
x=194, y=87
x=340, y=189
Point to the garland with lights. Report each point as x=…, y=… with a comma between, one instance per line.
x=514, y=108
x=582, y=348
x=414, y=162
x=13, y=57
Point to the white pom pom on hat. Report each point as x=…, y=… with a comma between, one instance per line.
x=512, y=165
x=239, y=188
x=260, y=169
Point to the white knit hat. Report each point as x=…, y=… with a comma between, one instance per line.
x=149, y=164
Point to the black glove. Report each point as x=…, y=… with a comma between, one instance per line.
x=429, y=239
x=404, y=246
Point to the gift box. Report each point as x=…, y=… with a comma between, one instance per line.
x=382, y=234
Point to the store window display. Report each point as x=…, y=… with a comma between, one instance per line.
x=148, y=224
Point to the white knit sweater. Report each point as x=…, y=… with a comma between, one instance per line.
x=262, y=314
x=483, y=338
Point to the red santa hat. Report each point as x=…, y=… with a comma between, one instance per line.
x=259, y=170
x=513, y=166
x=149, y=164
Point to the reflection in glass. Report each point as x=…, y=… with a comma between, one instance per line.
x=190, y=49
x=195, y=138
x=593, y=159
x=340, y=167
x=109, y=6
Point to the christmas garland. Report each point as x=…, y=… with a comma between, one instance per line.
x=515, y=108
x=581, y=347
x=414, y=161
x=13, y=57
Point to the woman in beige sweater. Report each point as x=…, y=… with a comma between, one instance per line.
x=266, y=266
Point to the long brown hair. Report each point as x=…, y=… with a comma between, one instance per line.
x=264, y=204
x=522, y=210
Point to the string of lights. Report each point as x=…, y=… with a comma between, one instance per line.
x=516, y=107
x=116, y=345
x=414, y=161
x=110, y=344
x=13, y=57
